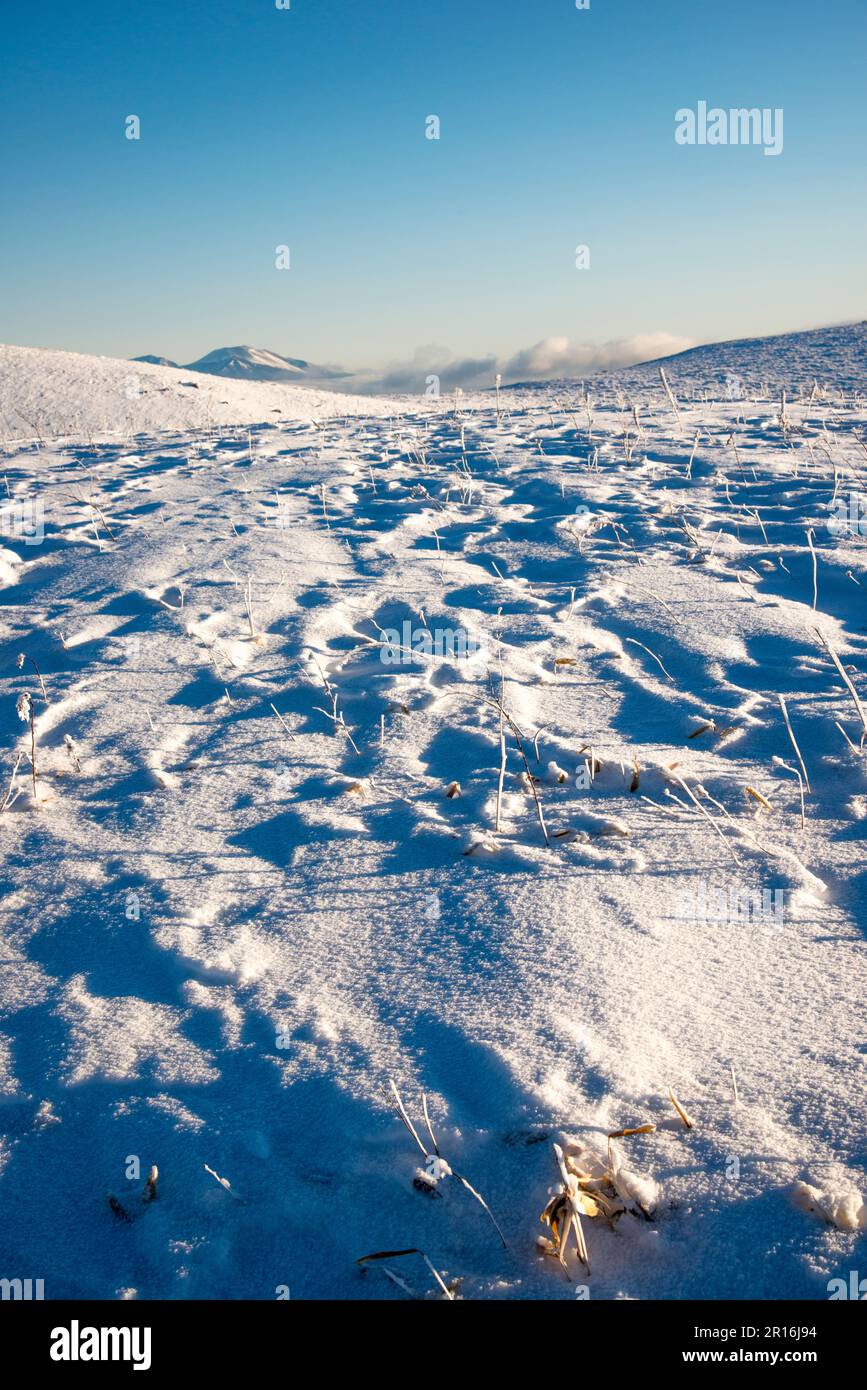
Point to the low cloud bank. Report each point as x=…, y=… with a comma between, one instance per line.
x=550, y=358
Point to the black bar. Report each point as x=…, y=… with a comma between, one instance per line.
x=265, y=1338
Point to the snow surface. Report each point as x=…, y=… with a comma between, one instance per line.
x=225, y=932
x=45, y=393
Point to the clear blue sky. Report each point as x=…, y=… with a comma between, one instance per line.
x=262, y=126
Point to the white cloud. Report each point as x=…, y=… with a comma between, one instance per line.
x=563, y=357
x=549, y=358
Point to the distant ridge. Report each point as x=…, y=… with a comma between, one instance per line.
x=245, y=363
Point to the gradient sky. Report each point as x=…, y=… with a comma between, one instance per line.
x=262, y=126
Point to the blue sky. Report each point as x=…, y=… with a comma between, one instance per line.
x=306, y=127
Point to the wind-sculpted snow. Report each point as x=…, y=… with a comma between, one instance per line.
x=448, y=749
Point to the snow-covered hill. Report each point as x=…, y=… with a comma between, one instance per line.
x=48, y=393
x=377, y=742
x=834, y=358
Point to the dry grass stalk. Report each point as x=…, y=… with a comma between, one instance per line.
x=248, y=604
x=501, y=778
x=335, y=714
x=778, y=762
x=815, y=569
x=839, y=726
x=636, y=643
x=27, y=714
x=707, y=817
x=671, y=399
x=757, y=796
x=436, y=1167
x=380, y=1255
x=625, y=1133
x=562, y=1215
x=22, y=657
x=794, y=740
x=531, y=781
x=283, y=722
x=10, y=792
x=846, y=681
x=225, y=1184
x=594, y=1188
x=680, y=1110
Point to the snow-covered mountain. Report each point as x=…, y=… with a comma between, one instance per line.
x=245, y=363
x=251, y=364
x=155, y=361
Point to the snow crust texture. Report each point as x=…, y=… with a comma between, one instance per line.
x=277, y=854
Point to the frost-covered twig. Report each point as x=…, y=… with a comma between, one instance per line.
x=22, y=657
x=398, y=1254
x=795, y=773
x=10, y=797
x=815, y=568
x=224, y=1183
x=502, y=775
x=671, y=397
x=497, y=701
x=635, y=643
x=847, y=682
x=794, y=741
x=436, y=1167
x=707, y=817
x=335, y=714
x=283, y=722
x=248, y=604
x=27, y=714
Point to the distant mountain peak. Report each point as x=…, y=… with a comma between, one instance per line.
x=155, y=361
x=250, y=363
x=246, y=363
